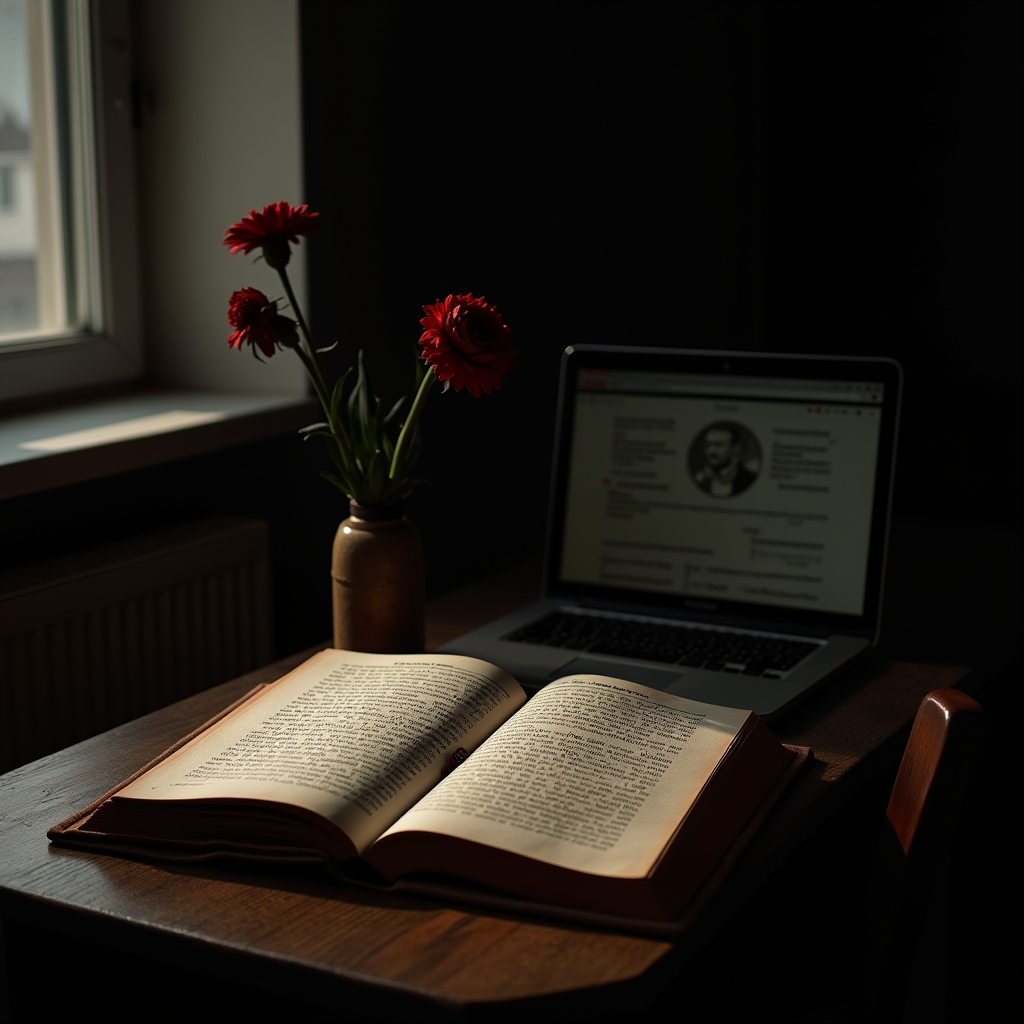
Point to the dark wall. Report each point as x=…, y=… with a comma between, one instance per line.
x=592, y=169
x=842, y=177
x=893, y=226
x=275, y=480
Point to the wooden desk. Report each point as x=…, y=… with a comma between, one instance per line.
x=301, y=933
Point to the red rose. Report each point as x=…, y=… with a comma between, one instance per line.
x=466, y=343
x=272, y=230
x=252, y=315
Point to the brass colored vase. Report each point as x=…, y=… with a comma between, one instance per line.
x=377, y=579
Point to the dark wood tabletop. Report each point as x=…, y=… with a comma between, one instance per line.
x=296, y=931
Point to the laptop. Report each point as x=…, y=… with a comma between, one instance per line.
x=717, y=524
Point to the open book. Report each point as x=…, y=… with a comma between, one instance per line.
x=597, y=793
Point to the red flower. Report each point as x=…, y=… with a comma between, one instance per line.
x=252, y=315
x=272, y=230
x=466, y=343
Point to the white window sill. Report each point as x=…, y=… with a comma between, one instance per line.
x=118, y=443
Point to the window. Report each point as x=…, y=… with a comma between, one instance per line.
x=69, y=289
x=8, y=200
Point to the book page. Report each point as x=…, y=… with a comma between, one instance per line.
x=356, y=738
x=593, y=774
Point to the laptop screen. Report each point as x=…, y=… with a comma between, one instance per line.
x=725, y=480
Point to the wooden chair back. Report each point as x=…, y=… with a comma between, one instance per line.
x=912, y=871
x=945, y=741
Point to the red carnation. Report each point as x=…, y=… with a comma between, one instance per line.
x=466, y=343
x=252, y=315
x=272, y=230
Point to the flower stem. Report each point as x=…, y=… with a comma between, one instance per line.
x=310, y=359
x=409, y=427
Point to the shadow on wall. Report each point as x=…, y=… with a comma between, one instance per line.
x=602, y=172
x=893, y=227
x=593, y=170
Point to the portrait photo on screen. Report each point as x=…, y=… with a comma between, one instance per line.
x=724, y=459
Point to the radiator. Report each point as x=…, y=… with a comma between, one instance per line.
x=98, y=638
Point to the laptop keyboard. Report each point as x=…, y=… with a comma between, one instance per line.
x=692, y=647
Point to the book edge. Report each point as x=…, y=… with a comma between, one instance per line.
x=69, y=823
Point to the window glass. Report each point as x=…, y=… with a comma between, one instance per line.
x=18, y=233
x=69, y=292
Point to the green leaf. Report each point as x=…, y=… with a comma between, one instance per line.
x=331, y=478
x=410, y=455
x=365, y=394
x=337, y=448
x=408, y=486
x=393, y=417
x=359, y=401
x=353, y=405
x=375, y=489
x=337, y=395
x=377, y=472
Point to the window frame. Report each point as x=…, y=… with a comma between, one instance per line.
x=110, y=352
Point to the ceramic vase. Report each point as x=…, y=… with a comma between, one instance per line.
x=378, y=582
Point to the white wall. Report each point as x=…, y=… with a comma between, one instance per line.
x=221, y=134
